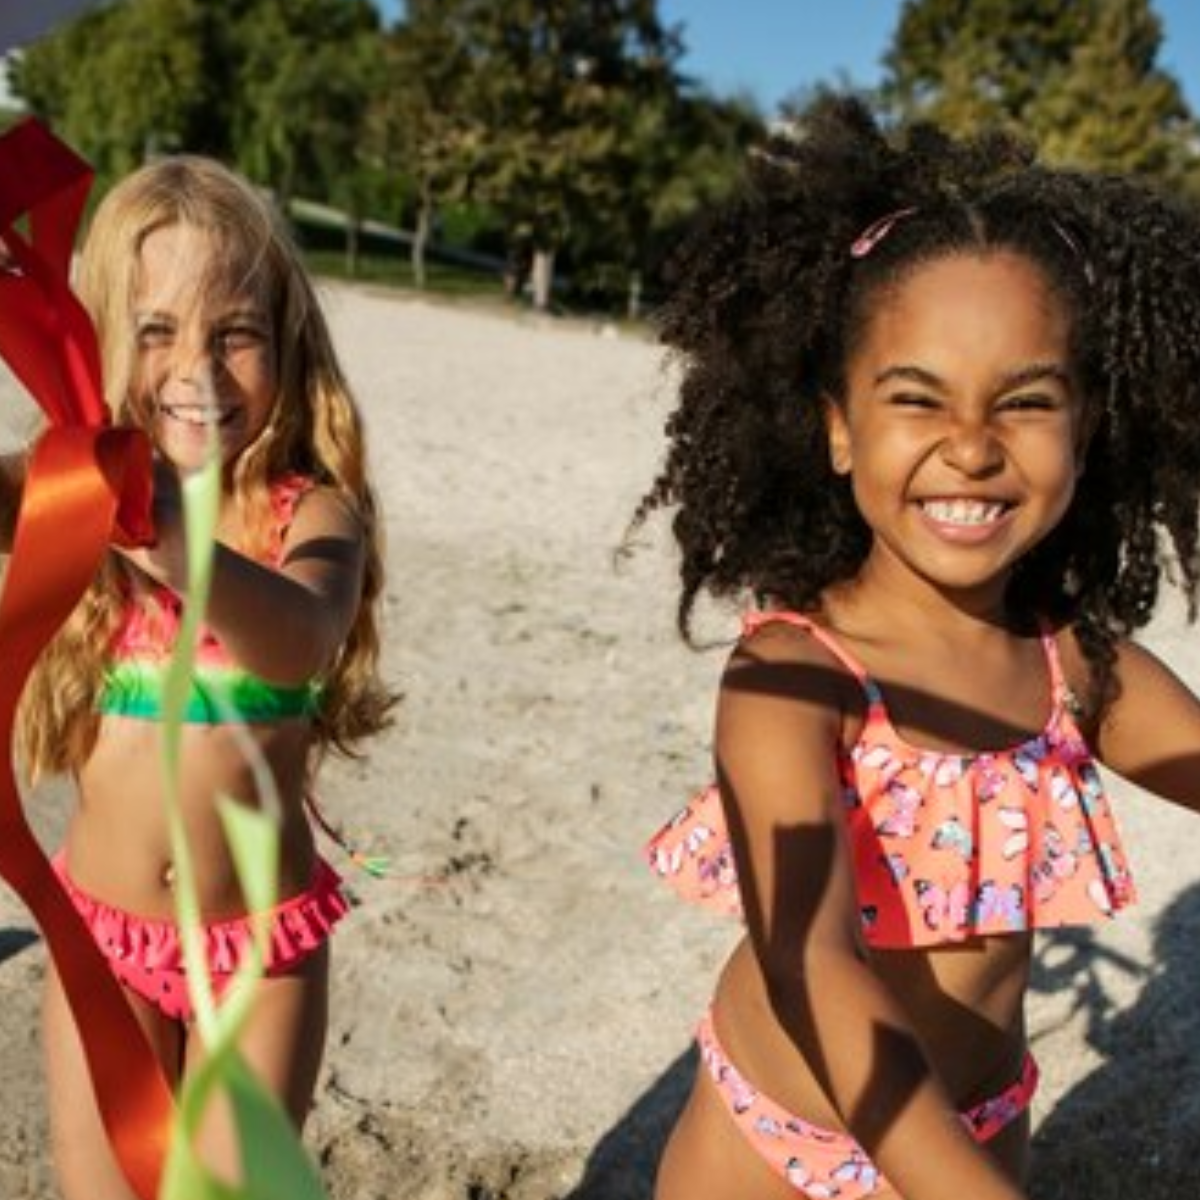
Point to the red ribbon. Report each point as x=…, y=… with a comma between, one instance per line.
x=87, y=483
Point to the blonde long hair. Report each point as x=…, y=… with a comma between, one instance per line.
x=315, y=429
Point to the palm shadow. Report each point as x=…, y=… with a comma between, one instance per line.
x=1132, y=1126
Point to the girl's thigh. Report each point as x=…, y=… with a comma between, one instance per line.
x=84, y=1161
x=283, y=1043
x=708, y=1158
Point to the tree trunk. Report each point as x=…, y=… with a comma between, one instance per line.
x=633, y=304
x=353, y=229
x=421, y=235
x=542, y=278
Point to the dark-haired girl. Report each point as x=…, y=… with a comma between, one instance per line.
x=939, y=430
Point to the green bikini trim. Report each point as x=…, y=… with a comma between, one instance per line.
x=219, y=696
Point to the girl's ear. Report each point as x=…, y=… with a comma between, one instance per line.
x=840, y=456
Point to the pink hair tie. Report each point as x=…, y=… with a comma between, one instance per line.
x=876, y=232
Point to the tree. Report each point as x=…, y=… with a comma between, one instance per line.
x=549, y=90
x=307, y=74
x=418, y=123
x=277, y=87
x=1080, y=78
x=1113, y=108
x=678, y=156
x=965, y=62
x=120, y=81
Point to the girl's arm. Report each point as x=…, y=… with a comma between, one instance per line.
x=285, y=625
x=1150, y=734
x=12, y=481
x=778, y=731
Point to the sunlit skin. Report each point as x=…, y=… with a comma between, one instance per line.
x=963, y=432
x=201, y=362
x=960, y=430
x=201, y=365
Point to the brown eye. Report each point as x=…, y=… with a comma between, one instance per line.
x=1029, y=402
x=237, y=338
x=155, y=335
x=916, y=400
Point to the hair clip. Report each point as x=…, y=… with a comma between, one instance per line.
x=876, y=232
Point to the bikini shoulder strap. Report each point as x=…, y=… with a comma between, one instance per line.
x=286, y=494
x=754, y=621
x=1062, y=691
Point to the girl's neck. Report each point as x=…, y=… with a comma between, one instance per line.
x=880, y=598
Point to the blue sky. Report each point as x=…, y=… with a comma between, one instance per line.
x=771, y=47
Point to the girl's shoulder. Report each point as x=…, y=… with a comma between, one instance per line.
x=793, y=656
x=783, y=636
x=306, y=506
x=802, y=638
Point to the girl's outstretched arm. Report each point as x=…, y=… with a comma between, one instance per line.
x=12, y=481
x=778, y=731
x=284, y=625
x=1150, y=734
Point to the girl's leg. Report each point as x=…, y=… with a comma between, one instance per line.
x=708, y=1158
x=86, y=1167
x=283, y=1044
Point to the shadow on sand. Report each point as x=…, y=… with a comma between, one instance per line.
x=623, y=1163
x=1131, y=1127
x=13, y=941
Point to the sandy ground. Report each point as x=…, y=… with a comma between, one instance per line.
x=511, y=1016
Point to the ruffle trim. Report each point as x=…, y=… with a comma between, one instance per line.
x=299, y=926
x=694, y=855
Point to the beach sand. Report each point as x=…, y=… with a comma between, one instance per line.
x=511, y=1014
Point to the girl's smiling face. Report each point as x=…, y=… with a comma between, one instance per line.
x=961, y=427
x=206, y=356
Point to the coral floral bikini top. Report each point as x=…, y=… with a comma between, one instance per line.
x=945, y=845
x=221, y=692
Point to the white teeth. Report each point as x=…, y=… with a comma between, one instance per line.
x=197, y=414
x=962, y=512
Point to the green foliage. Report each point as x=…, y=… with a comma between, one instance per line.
x=150, y=48
x=1081, y=79
x=278, y=87
x=556, y=89
x=681, y=156
x=308, y=73
x=564, y=124
x=582, y=137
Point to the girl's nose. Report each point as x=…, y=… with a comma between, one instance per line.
x=192, y=361
x=972, y=448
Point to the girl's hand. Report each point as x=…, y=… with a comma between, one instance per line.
x=12, y=484
x=166, y=560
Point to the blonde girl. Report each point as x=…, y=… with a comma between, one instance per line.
x=209, y=329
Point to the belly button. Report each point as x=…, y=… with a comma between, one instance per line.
x=168, y=875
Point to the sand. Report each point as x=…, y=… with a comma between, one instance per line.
x=512, y=1014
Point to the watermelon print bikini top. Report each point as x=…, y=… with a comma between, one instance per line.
x=946, y=845
x=221, y=691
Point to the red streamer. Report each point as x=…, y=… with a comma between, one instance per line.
x=87, y=484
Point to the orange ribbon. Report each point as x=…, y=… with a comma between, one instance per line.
x=87, y=484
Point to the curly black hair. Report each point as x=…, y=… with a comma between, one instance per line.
x=766, y=302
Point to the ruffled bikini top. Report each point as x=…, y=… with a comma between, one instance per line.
x=945, y=845
x=221, y=691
